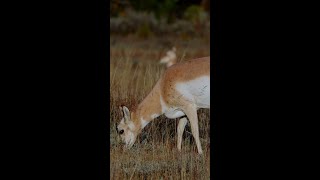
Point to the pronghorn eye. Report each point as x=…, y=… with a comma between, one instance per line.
x=121, y=132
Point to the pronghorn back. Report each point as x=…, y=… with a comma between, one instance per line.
x=188, y=70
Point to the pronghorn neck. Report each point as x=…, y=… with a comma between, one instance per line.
x=148, y=109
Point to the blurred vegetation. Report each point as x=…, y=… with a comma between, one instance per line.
x=160, y=17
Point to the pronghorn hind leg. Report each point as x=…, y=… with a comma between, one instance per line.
x=192, y=115
x=181, y=126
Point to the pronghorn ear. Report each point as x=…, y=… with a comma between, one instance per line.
x=126, y=113
x=121, y=111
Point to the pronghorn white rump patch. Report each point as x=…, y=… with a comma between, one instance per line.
x=170, y=57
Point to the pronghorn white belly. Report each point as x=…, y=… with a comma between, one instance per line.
x=170, y=112
x=196, y=91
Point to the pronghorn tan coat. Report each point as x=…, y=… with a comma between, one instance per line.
x=182, y=90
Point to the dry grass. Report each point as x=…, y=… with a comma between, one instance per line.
x=134, y=70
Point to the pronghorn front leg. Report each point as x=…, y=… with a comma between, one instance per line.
x=192, y=115
x=181, y=125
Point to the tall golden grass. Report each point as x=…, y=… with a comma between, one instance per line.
x=134, y=70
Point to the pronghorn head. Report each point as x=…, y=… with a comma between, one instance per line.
x=126, y=128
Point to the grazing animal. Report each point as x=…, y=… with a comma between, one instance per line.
x=170, y=58
x=181, y=91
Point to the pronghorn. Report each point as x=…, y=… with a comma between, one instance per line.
x=170, y=58
x=181, y=90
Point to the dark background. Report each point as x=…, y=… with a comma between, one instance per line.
x=55, y=86
x=166, y=8
x=156, y=18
